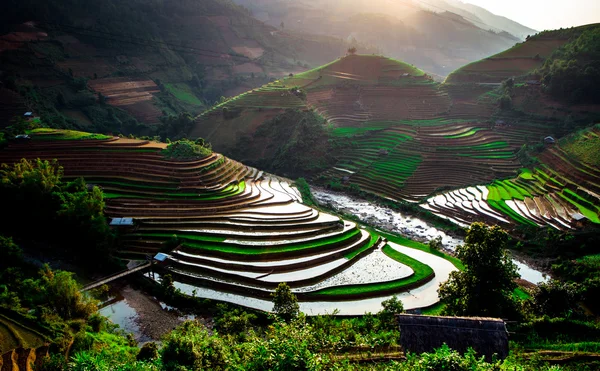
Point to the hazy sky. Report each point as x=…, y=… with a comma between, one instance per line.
x=544, y=14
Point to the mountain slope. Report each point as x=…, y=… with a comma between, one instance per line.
x=524, y=58
x=382, y=126
x=436, y=39
x=143, y=59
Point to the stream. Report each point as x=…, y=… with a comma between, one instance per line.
x=390, y=220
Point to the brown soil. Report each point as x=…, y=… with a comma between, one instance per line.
x=153, y=320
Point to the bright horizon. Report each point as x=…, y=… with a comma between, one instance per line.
x=544, y=14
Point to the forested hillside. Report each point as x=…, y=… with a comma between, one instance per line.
x=132, y=64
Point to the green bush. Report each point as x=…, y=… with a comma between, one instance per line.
x=190, y=345
x=186, y=150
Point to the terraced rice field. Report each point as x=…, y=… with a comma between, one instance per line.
x=410, y=160
x=240, y=231
x=516, y=61
x=562, y=192
x=133, y=95
x=14, y=334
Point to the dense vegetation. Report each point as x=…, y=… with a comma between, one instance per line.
x=485, y=287
x=573, y=71
x=187, y=150
x=41, y=200
x=296, y=144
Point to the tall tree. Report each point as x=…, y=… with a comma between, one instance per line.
x=285, y=303
x=485, y=287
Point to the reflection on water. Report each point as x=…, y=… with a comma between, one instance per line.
x=404, y=225
x=126, y=317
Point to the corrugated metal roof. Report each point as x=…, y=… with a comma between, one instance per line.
x=161, y=257
x=121, y=221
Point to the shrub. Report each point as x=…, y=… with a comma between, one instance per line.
x=148, y=352
x=186, y=150
x=190, y=345
x=285, y=303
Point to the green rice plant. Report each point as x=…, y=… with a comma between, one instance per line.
x=61, y=134
x=259, y=250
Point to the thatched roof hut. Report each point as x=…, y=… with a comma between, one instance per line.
x=487, y=336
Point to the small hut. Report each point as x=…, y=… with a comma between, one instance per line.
x=549, y=140
x=487, y=336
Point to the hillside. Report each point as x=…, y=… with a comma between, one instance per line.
x=143, y=60
x=522, y=60
x=561, y=191
x=233, y=232
x=382, y=126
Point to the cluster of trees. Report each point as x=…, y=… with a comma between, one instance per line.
x=293, y=144
x=573, y=71
x=485, y=287
x=185, y=149
x=66, y=216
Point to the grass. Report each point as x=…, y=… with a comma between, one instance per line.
x=584, y=146
x=14, y=334
x=434, y=310
x=60, y=134
x=463, y=135
x=423, y=247
x=184, y=94
x=183, y=236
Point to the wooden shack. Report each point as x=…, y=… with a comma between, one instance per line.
x=420, y=334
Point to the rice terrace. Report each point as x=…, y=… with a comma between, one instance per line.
x=239, y=230
x=314, y=185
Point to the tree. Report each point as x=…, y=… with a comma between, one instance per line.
x=485, y=287
x=436, y=244
x=391, y=307
x=60, y=293
x=555, y=298
x=285, y=303
x=352, y=50
x=35, y=175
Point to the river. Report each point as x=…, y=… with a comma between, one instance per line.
x=390, y=220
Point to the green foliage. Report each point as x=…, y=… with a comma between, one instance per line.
x=555, y=299
x=36, y=195
x=391, y=307
x=148, y=352
x=32, y=176
x=445, y=358
x=175, y=127
x=190, y=345
x=573, y=71
x=233, y=321
x=284, y=346
x=285, y=303
x=436, y=243
x=486, y=285
x=186, y=150
x=60, y=293
x=304, y=188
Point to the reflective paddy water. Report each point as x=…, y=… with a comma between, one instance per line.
x=403, y=224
